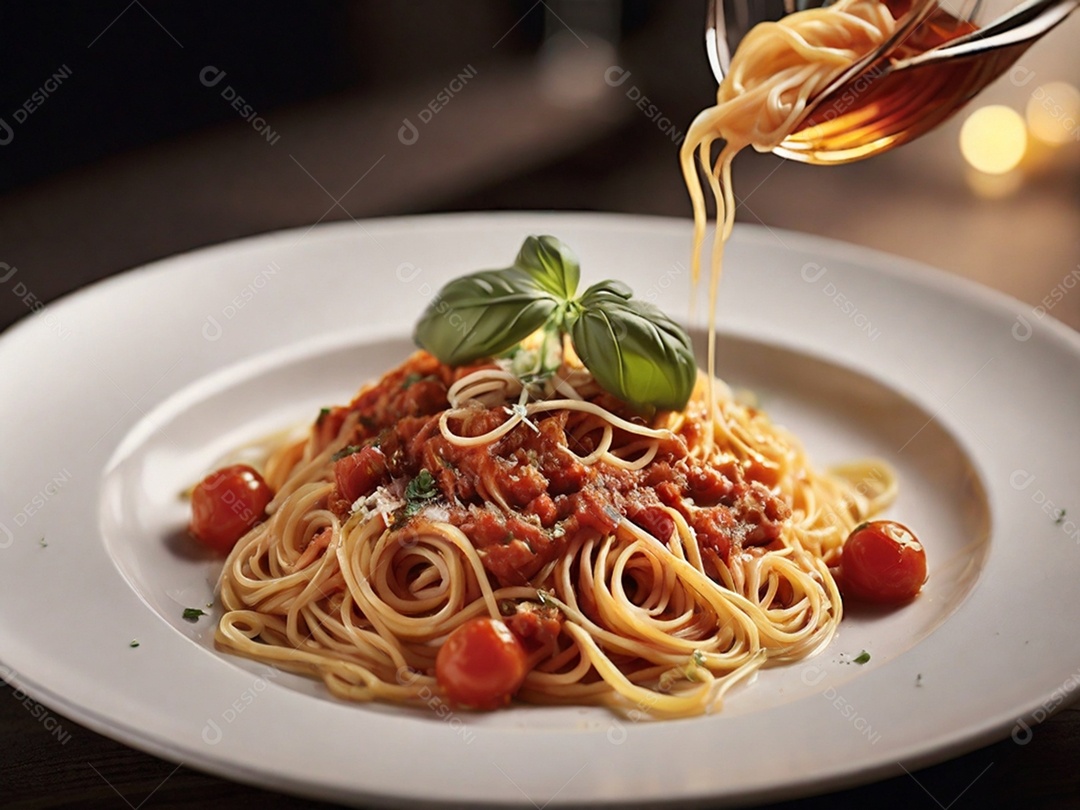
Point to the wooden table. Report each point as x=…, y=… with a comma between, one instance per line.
x=49, y=761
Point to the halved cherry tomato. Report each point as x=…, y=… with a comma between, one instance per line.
x=882, y=561
x=226, y=504
x=481, y=664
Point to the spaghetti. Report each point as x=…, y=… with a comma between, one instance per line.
x=640, y=564
x=650, y=562
x=775, y=72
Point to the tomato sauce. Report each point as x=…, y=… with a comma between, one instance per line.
x=549, y=500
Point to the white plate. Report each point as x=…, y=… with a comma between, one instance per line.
x=119, y=396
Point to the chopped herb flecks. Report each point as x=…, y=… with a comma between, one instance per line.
x=862, y=657
x=193, y=614
x=412, y=379
x=419, y=491
x=346, y=451
x=134, y=643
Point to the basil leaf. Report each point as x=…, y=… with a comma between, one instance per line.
x=632, y=348
x=608, y=290
x=552, y=264
x=483, y=314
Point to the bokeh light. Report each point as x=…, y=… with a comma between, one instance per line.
x=993, y=139
x=1053, y=113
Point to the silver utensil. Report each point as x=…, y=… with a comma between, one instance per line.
x=728, y=22
x=897, y=92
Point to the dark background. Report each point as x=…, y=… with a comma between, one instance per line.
x=132, y=158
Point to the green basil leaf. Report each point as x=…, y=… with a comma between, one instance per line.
x=632, y=348
x=552, y=264
x=483, y=314
x=608, y=290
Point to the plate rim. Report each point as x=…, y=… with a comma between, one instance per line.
x=884, y=262
x=877, y=261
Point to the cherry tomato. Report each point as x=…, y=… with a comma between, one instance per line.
x=882, y=561
x=360, y=472
x=481, y=664
x=227, y=503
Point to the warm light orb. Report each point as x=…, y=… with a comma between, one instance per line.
x=993, y=139
x=1053, y=113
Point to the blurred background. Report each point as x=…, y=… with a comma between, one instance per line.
x=134, y=129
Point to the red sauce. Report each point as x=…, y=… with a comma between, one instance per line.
x=535, y=625
x=552, y=499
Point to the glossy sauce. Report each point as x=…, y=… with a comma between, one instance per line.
x=552, y=500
